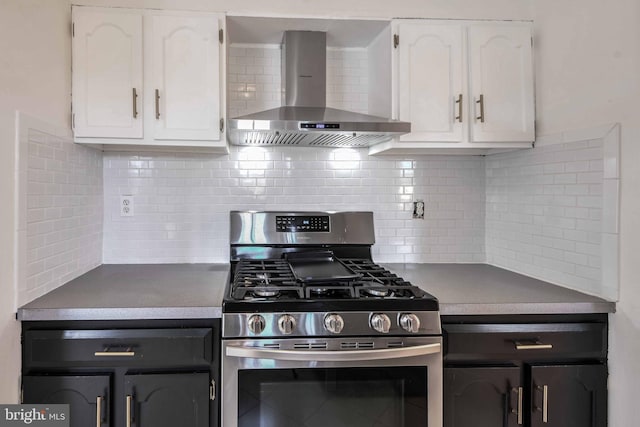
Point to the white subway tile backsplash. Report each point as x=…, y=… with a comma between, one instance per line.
x=182, y=205
x=561, y=190
x=60, y=203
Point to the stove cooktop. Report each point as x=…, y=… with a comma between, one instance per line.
x=272, y=285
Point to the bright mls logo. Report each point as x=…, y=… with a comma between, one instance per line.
x=34, y=415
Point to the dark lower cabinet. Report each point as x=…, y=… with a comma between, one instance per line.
x=555, y=396
x=151, y=373
x=568, y=396
x=87, y=396
x=530, y=371
x=168, y=400
x=481, y=397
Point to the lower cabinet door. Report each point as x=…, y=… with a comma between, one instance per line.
x=87, y=396
x=482, y=397
x=568, y=396
x=167, y=400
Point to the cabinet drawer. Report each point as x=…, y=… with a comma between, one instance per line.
x=525, y=341
x=118, y=347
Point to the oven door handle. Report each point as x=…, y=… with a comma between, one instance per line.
x=333, y=356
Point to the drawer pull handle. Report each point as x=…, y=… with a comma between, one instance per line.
x=532, y=346
x=107, y=353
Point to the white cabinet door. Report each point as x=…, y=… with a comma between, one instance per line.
x=107, y=73
x=431, y=81
x=501, y=71
x=185, y=77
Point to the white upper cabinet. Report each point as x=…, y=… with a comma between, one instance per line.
x=430, y=82
x=464, y=86
x=186, y=77
x=107, y=74
x=148, y=78
x=501, y=82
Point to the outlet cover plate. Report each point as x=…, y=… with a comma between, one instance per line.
x=418, y=209
x=126, y=205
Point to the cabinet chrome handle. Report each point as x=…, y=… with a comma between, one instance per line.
x=481, y=102
x=157, y=104
x=533, y=346
x=135, y=103
x=459, y=102
x=98, y=411
x=129, y=399
x=519, y=390
x=545, y=401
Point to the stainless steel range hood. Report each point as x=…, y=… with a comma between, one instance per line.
x=304, y=120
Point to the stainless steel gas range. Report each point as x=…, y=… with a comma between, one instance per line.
x=316, y=334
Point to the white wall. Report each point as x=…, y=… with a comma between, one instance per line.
x=588, y=73
x=463, y=9
x=35, y=78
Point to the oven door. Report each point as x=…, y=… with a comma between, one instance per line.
x=333, y=382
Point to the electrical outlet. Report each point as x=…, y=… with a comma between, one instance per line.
x=418, y=209
x=126, y=205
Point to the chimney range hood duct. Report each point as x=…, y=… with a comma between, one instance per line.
x=304, y=120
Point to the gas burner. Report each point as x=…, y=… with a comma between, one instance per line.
x=261, y=285
x=265, y=293
x=377, y=291
x=329, y=292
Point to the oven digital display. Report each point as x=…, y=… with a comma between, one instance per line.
x=305, y=224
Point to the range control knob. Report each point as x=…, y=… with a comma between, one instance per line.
x=286, y=324
x=380, y=322
x=256, y=324
x=410, y=322
x=333, y=323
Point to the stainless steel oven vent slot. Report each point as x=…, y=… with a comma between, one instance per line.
x=355, y=345
x=310, y=346
x=396, y=344
x=271, y=345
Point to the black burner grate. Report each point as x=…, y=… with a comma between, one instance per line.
x=265, y=279
x=273, y=280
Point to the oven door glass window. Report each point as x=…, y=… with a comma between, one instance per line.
x=336, y=397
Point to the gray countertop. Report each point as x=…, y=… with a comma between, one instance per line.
x=136, y=291
x=189, y=291
x=484, y=289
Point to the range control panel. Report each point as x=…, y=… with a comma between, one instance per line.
x=306, y=224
